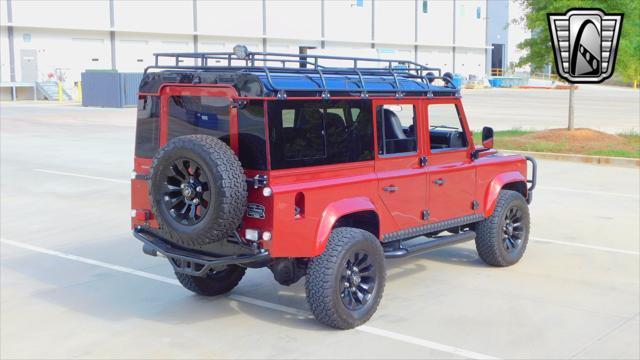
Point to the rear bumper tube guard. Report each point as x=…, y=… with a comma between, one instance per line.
x=534, y=177
x=191, y=263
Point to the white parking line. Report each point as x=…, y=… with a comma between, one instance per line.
x=121, y=181
x=594, y=247
x=551, y=188
x=592, y=192
x=257, y=302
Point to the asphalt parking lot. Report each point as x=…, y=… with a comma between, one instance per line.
x=605, y=108
x=74, y=282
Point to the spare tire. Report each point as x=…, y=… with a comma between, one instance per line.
x=198, y=190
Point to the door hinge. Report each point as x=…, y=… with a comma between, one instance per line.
x=423, y=161
x=425, y=215
x=475, y=205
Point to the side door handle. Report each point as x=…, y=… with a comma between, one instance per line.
x=439, y=182
x=390, y=188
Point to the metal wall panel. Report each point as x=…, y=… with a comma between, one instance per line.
x=110, y=88
x=100, y=88
x=129, y=84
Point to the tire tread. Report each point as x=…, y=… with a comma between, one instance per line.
x=319, y=284
x=487, y=231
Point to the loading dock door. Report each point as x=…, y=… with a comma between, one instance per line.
x=29, y=64
x=497, y=59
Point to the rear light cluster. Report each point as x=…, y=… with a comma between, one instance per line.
x=254, y=235
x=140, y=215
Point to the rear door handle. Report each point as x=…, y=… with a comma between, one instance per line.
x=439, y=181
x=390, y=188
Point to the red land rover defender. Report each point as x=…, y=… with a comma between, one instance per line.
x=247, y=160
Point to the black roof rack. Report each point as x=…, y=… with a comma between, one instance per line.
x=393, y=73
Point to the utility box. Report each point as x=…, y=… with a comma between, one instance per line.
x=109, y=88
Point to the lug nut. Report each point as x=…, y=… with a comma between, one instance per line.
x=196, y=201
x=199, y=188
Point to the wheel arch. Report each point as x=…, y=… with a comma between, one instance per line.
x=512, y=180
x=358, y=212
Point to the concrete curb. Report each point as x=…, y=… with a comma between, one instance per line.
x=600, y=160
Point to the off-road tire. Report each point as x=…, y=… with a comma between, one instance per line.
x=324, y=280
x=228, y=186
x=489, y=232
x=215, y=283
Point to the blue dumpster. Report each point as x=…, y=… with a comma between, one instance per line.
x=107, y=88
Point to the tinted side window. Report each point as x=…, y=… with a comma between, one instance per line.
x=148, y=126
x=445, y=127
x=190, y=115
x=251, y=136
x=396, y=126
x=319, y=133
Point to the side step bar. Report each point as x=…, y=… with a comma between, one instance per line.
x=400, y=250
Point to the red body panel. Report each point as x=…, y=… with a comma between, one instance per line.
x=329, y=192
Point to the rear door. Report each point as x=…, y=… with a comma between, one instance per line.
x=451, y=174
x=190, y=110
x=401, y=176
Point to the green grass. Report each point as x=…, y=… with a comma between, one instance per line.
x=512, y=140
x=615, y=153
x=477, y=135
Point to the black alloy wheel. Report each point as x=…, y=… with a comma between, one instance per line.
x=512, y=229
x=359, y=280
x=186, y=196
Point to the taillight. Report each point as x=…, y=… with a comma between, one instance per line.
x=140, y=215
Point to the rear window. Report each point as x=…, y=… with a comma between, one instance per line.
x=303, y=133
x=206, y=115
x=148, y=126
x=251, y=136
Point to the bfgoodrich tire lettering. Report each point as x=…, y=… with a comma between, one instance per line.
x=226, y=185
x=501, y=239
x=330, y=280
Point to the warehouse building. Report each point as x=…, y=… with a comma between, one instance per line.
x=48, y=40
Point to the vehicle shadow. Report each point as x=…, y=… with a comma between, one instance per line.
x=116, y=296
x=456, y=255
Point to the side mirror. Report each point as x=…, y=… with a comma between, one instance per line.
x=487, y=137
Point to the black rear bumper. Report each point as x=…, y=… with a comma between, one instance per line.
x=192, y=263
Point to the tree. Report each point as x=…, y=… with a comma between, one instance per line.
x=538, y=47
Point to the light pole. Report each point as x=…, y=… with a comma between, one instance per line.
x=571, y=92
